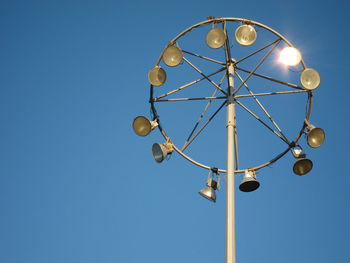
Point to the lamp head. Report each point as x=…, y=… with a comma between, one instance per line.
x=302, y=164
x=310, y=79
x=209, y=192
x=245, y=35
x=172, y=56
x=290, y=56
x=249, y=182
x=142, y=126
x=315, y=136
x=157, y=76
x=216, y=38
x=160, y=151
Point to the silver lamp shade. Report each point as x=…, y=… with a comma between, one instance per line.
x=157, y=76
x=245, y=35
x=315, y=136
x=160, y=151
x=172, y=56
x=142, y=126
x=216, y=38
x=249, y=182
x=209, y=192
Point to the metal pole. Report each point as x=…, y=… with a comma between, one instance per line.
x=230, y=250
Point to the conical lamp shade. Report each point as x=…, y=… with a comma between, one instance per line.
x=172, y=56
x=216, y=38
x=249, y=183
x=159, y=152
x=315, y=137
x=208, y=193
x=245, y=35
x=302, y=166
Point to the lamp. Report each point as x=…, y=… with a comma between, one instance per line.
x=249, y=182
x=160, y=151
x=245, y=35
x=157, y=76
x=172, y=56
x=290, y=56
x=143, y=126
x=310, y=79
x=209, y=192
x=216, y=38
x=315, y=136
x=302, y=165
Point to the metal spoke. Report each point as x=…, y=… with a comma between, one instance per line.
x=204, y=111
x=187, y=99
x=270, y=93
x=188, y=84
x=258, y=65
x=263, y=108
x=269, y=78
x=201, y=129
x=256, y=117
x=206, y=58
x=255, y=52
x=206, y=77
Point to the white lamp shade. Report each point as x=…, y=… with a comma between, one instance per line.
x=245, y=35
x=172, y=56
x=310, y=79
x=216, y=38
x=157, y=76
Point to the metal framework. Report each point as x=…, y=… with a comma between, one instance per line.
x=237, y=69
x=231, y=98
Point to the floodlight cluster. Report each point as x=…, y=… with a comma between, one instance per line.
x=216, y=38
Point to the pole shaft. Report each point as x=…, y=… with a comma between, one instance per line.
x=230, y=250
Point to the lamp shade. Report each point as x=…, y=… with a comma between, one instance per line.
x=315, y=137
x=290, y=56
x=142, y=126
x=245, y=35
x=249, y=182
x=157, y=76
x=159, y=152
x=216, y=38
x=208, y=193
x=172, y=56
x=302, y=166
x=310, y=79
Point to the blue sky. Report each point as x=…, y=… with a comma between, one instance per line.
x=76, y=183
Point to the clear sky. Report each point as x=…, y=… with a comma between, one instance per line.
x=77, y=185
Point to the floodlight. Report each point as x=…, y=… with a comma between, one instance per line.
x=310, y=79
x=160, y=151
x=209, y=192
x=290, y=56
x=245, y=35
x=216, y=38
x=157, y=76
x=302, y=165
x=143, y=126
x=172, y=56
x=315, y=136
x=249, y=182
